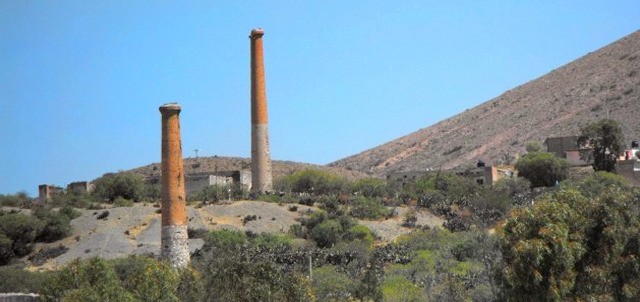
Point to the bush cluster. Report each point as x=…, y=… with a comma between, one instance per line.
x=542, y=169
x=124, y=185
x=135, y=278
x=20, y=200
x=586, y=244
x=19, y=232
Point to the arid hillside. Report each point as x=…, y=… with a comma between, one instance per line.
x=221, y=163
x=603, y=83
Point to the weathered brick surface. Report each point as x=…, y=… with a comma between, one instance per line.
x=174, y=216
x=260, y=158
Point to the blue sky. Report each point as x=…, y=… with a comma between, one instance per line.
x=81, y=81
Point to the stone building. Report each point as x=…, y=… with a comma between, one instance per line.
x=195, y=182
x=481, y=174
x=487, y=175
x=628, y=165
x=46, y=192
x=80, y=187
x=565, y=147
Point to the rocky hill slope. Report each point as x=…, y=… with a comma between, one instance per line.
x=600, y=84
x=136, y=230
x=221, y=163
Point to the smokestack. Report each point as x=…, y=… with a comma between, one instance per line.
x=261, y=179
x=174, y=243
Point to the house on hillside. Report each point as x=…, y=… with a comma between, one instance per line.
x=46, y=192
x=565, y=147
x=195, y=182
x=487, y=175
x=401, y=179
x=628, y=165
x=80, y=187
x=482, y=174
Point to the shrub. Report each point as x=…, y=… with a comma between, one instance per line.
x=533, y=147
x=22, y=230
x=512, y=186
x=368, y=208
x=371, y=187
x=147, y=279
x=45, y=254
x=55, y=225
x=122, y=202
x=398, y=288
x=327, y=233
x=212, y=194
x=225, y=240
x=329, y=284
x=6, y=249
x=410, y=218
x=88, y=280
x=312, y=182
x=126, y=185
x=136, y=278
x=16, y=280
x=360, y=233
x=542, y=169
x=103, y=215
x=71, y=199
x=600, y=181
x=20, y=199
x=248, y=218
x=69, y=212
x=271, y=240
x=245, y=267
x=196, y=233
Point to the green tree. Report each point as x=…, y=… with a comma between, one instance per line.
x=542, y=169
x=602, y=142
x=571, y=247
x=126, y=185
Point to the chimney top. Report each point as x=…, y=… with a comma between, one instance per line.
x=170, y=107
x=256, y=33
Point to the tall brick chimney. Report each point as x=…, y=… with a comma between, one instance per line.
x=261, y=179
x=174, y=243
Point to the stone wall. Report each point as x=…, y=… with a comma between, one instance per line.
x=19, y=297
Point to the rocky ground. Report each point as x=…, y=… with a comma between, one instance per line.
x=136, y=230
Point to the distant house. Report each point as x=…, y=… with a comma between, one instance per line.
x=628, y=165
x=46, y=192
x=80, y=187
x=482, y=174
x=565, y=147
x=401, y=179
x=488, y=175
x=195, y=182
